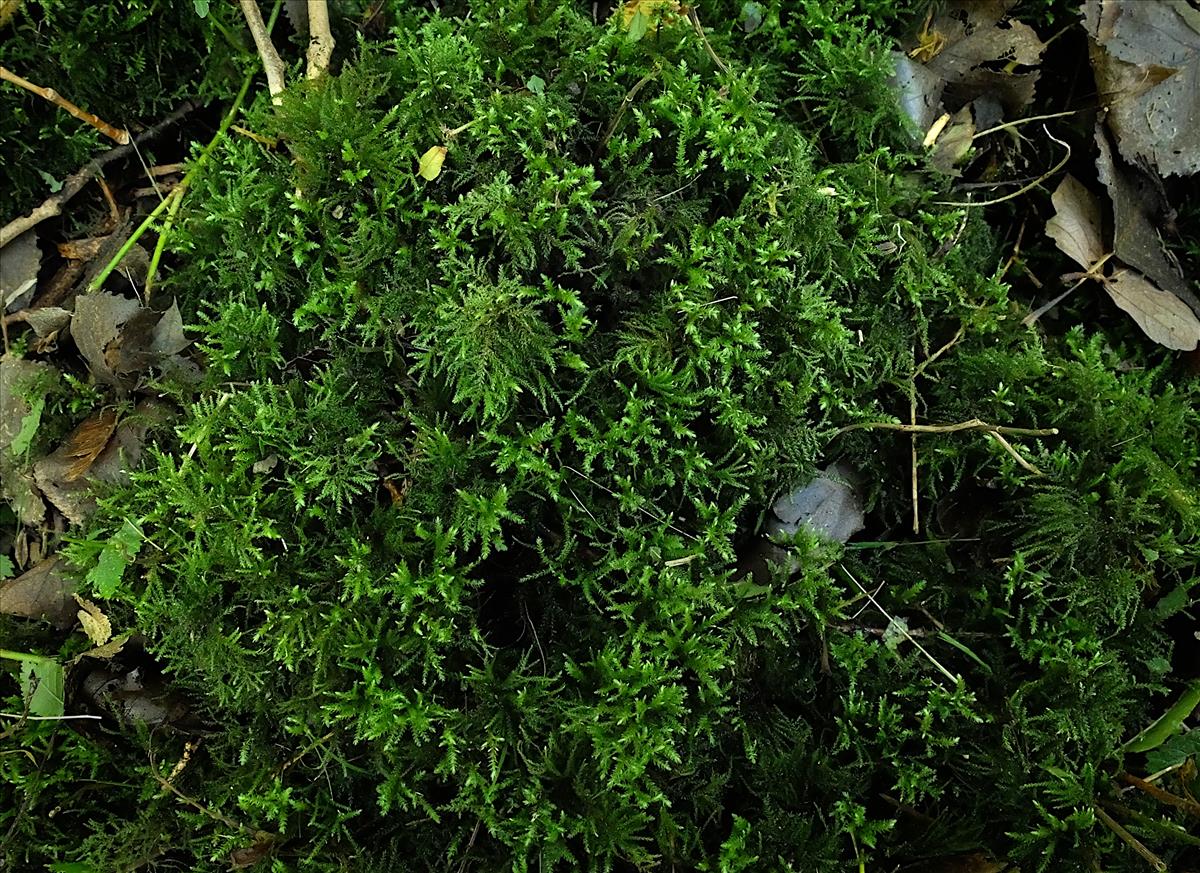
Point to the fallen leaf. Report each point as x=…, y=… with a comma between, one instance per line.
x=88, y=441
x=965, y=42
x=248, y=856
x=1139, y=208
x=828, y=506
x=41, y=592
x=638, y=15
x=17, y=486
x=168, y=337
x=82, y=249
x=1075, y=227
x=20, y=261
x=16, y=375
x=920, y=91
x=129, y=698
x=1146, y=59
x=953, y=143
x=96, y=324
x=47, y=320
x=93, y=621
x=1160, y=314
x=73, y=497
x=430, y=165
x=108, y=651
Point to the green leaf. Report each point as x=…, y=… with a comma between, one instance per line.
x=536, y=85
x=201, y=7
x=29, y=425
x=54, y=184
x=6, y=567
x=1174, y=751
x=105, y=577
x=1168, y=723
x=42, y=683
x=638, y=26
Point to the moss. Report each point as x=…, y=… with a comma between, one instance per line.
x=446, y=543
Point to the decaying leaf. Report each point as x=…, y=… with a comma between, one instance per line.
x=963, y=44
x=920, y=91
x=828, y=506
x=953, y=143
x=121, y=339
x=42, y=592
x=1075, y=227
x=97, y=323
x=20, y=261
x=16, y=375
x=430, y=165
x=108, y=651
x=1139, y=208
x=82, y=249
x=88, y=441
x=1146, y=58
x=129, y=697
x=47, y=320
x=93, y=621
x=1160, y=314
x=73, y=497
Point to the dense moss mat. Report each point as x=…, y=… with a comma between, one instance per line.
x=445, y=546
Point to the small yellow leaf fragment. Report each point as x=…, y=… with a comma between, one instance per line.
x=95, y=623
x=430, y=165
x=109, y=650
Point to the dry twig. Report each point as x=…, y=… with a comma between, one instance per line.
x=120, y=137
x=320, y=38
x=272, y=63
x=53, y=205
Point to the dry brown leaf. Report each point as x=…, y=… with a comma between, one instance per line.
x=88, y=441
x=970, y=37
x=41, y=592
x=953, y=143
x=1160, y=314
x=1146, y=58
x=1075, y=227
x=82, y=249
x=93, y=621
x=430, y=165
x=20, y=262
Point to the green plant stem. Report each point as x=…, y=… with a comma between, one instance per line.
x=171, y=202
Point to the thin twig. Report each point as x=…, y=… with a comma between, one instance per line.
x=1189, y=806
x=904, y=630
x=1130, y=840
x=53, y=205
x=629, y=98
x=695, y=19
x=1007, y=446
x=320, y=39
x=272, y=63
x=49, y=717
x=120, y=137
x=1024, y=188
x=972, y=424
